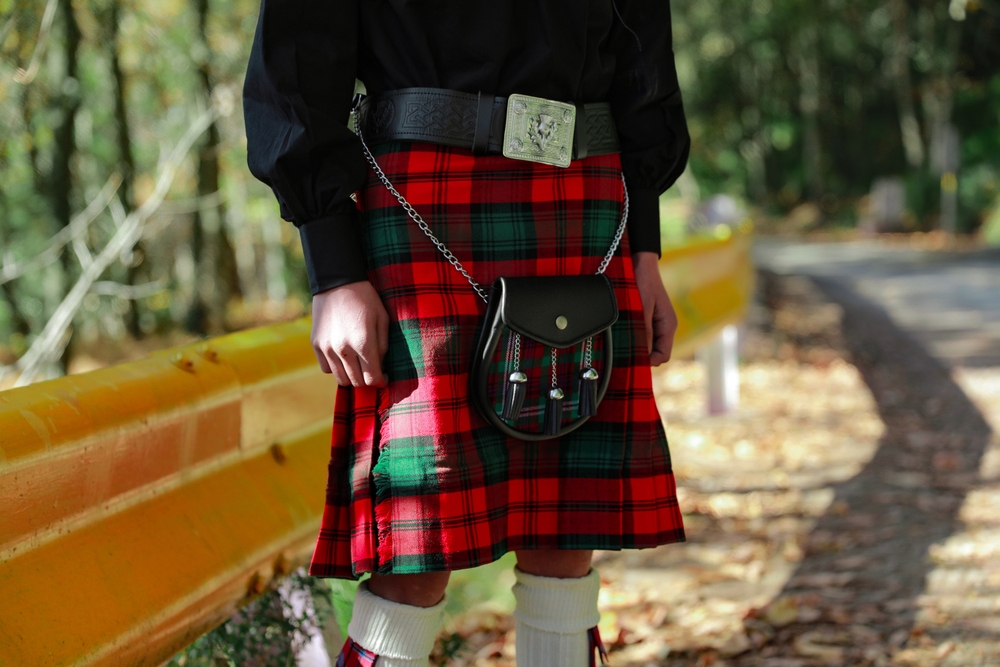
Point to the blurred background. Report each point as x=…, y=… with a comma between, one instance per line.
x=123, y=117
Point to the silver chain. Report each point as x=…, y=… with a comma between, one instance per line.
x=555, y=371
x=618, y=235
x=425, y=228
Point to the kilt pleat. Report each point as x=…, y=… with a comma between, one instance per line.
x=418, y=482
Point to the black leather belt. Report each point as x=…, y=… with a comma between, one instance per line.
x=480, y=123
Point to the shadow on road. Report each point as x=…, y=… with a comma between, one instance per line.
x=874, y=545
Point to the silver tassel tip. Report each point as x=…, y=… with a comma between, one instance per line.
x=588, y=392
x=554, y=411
x=513, y=401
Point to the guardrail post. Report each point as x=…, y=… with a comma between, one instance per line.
x=721, y=359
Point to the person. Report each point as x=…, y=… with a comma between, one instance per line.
x=419, y=484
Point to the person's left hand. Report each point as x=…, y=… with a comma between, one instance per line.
x=658, y=312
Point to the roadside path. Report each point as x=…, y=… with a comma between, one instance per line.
x=949, y=301
x=923, y=328
x=848, y=513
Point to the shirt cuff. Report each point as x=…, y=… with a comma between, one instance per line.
x=644, y=221
x=333, y=252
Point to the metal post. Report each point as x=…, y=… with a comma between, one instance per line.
x=721, y=357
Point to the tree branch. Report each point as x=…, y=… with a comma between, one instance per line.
x=111, y=288
x=10, y=269
x=44, y=349
x=25, y=76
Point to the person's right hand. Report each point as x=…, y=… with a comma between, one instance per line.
x=350, y=334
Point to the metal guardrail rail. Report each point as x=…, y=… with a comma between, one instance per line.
x=142, y=504
x=711, y=285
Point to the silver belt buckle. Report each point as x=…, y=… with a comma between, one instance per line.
x=539, y=130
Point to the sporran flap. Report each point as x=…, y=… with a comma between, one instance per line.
x=558, y=311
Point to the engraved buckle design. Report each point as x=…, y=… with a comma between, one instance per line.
x=539, y=130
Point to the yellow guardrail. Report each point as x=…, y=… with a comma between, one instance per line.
x=710, y=284
x=142, y=504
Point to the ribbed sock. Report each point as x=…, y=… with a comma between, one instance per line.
x=552, y=618
x=402, y=635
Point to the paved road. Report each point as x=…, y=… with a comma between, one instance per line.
x=935, y=477
x=949, y=301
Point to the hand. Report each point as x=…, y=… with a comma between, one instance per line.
x=657, y=311
x=350, y=334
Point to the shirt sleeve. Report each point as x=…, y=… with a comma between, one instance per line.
x=296, y=103
x=649, y=114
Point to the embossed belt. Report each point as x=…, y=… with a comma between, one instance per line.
x=520, y=126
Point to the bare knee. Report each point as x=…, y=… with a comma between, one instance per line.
x=425, y=589
x=558, y=563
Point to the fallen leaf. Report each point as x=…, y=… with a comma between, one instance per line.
x=783, y=611
x=818, y=644
x=945, y=649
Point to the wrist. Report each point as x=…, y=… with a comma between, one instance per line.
x=345, y=287
x=645, y=260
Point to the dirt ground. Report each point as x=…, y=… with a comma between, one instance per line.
x=848, y=513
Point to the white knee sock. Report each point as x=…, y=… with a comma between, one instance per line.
x=402, y=635
x=552, y=618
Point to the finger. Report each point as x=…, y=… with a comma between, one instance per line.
x=666, y=329
x=338, y=371
x=324, y=365
x=373, y=375
x=371, y=365
x=352, y=366
x=315, y=339
x=650, y=333
x=663, y=344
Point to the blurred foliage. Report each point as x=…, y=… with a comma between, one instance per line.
x=268, y=632
x=763, y=78
x=342, y=592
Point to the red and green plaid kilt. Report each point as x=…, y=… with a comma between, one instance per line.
x=418, y=481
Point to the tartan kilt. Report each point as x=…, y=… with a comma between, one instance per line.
x=418, y=481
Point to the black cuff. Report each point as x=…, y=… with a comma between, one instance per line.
x=644, y=221
x=333, y=252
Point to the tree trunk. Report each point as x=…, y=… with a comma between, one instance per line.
x=27, y=117
x=913, y=143
x=215, y=259
x=809, y=99
x=68, y=99
x=136, y=272
x=19, y=323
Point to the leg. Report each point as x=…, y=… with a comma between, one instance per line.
x=556, y=613
x=420, y=590
x=396, y=619
x=558, y=563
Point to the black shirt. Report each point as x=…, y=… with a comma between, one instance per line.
x=307, y=54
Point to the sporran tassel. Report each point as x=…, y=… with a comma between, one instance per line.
x=513, y=401
x=554, y=402
x=554, y=411
x=588, y=382
x=588, y=392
